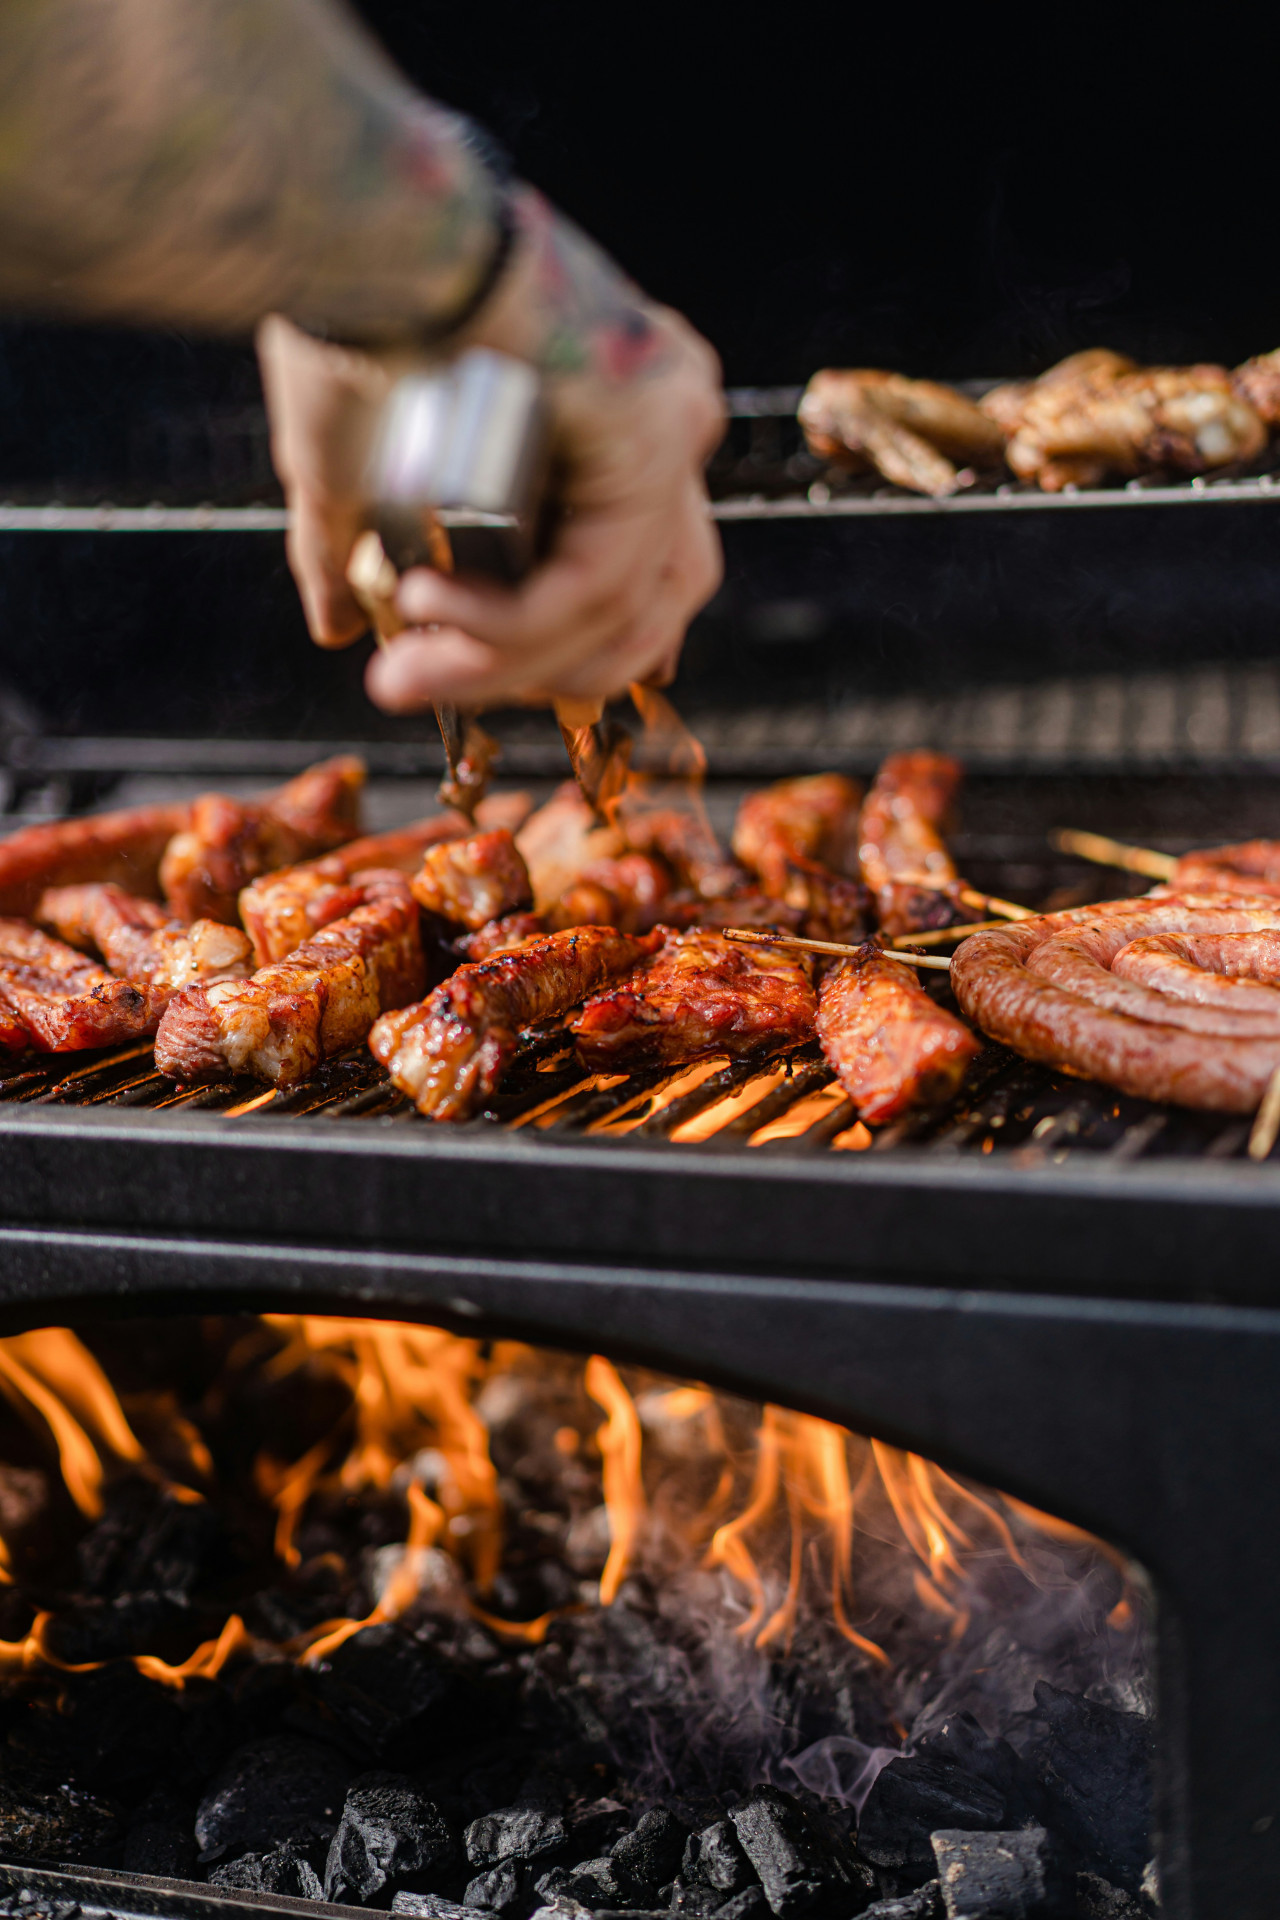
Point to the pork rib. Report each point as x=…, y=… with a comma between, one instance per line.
x=892, y=1047
x=57, y=1001
x=451, y=1051
x=285, y=1019
x=475, y=880
x=901, y=849
x=140, y=942
x=281, y=910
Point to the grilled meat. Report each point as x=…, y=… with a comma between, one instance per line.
x=911, y=431
x=628, y=893
x=285, y=1019
x=891, y=1046
x=1097, y=414
x=901, y=848
x=560, y=840
x=1111, y=993
x=228, y=842
x=125, y=847
x=475, y=880
x=499, y=936
x=141, y=942
x=450, y=1052
x=1251, y=867
x=683, y=840
x=699, y=994
x=1258, y=381
x=57, y=1001
x=281, y=910
x=800, y=836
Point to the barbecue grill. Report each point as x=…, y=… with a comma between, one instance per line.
x=1064, y=1292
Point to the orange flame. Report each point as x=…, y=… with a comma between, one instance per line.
x=619, y=1440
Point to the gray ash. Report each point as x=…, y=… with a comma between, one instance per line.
x=824, y=1709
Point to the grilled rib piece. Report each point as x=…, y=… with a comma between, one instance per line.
x=500, y=936
x=125, y=847
x=1097, y=414
x=901, y=849
x=800, y=836
x=911, y=431
x=140, y=942
x=629, y=893
x=230, y=842
x=475, y=880
x=285, y=1019
x=699, y=994
x=450, y=1052
x=57, y=1001
x=892, y=1048
x=560, y=841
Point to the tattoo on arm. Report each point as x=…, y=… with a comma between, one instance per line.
x=587, y=316
x=204, y=162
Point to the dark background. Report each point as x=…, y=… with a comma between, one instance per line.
x=811, y=184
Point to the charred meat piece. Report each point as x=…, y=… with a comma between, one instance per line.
x=1097, y=414
x=500, y=936
x=283, y=909
x=699, y=994
x=801, y=837
x=57, y=1001
x=682, y=838
x=124, y=847
x=901, y=848
x=230, y=842
x=628, y=893
x=323, y=998
x=560, y=841
x=450, y=1052
x=892, y=1047
x=911, y=431
x=141, y=942
x=475, y=880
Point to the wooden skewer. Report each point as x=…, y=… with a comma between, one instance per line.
x=757, y=937
x=1266, y=1124
x=939, y=936
x=968, y=896
x=1114, y=853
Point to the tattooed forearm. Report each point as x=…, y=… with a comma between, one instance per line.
x=207, y=161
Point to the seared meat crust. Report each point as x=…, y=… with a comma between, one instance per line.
x=891, y=1046
x=141, y=942
x=500, y=936
x=281, y=910
x=560, y=840
x=700, y=994
x=450, y=1052
x=55, y=1000
x=230, y=842
x=911, y=431
x=125, y=846
x=629, y=892
x=901, y=844
x=323, y=998
x=800, y=837
x=475, y=880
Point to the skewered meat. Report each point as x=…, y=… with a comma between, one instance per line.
x=801, y=837
x=450, y=1052
x=699, y=994
x=500, y=936
x=911, y=431
x=892, y=1047
x=901, y=848
x=1251, y=867
x=1097, y=414
x=283, y=909
x=629, y=893
x=473, y=881
x=683, y=840
x=141, y=942
x=125, y=846
x=560, y=841
x=289, y=1016
x=1150, y=996
x=57, y=1001
x=230, y=842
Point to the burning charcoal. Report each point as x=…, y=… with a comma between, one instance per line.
x=714, y=1858
x=148, y=1542
x=377, y=1683
x=390, y=1835
x=915, y=1796
x=796, y=1870
x=273, y=1790
x=285, y=1870
x=515, y=1833
x=501, y=1890
x=960, y=1738
x=925, y=1903
x=1006, y=1876
x=1098, y=1900
x=116, y=1730
x=651, y=1852
x=58, y=1823
x=593, y=1828
x=1095, y=1762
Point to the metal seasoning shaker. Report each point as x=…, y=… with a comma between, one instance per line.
x=458, y=480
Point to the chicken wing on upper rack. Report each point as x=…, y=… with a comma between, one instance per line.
x=699, y=994
x=911, y=431
x=140, y=942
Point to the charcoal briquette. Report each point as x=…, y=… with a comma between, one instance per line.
x=1097, y=1899
x=651, y=1852
x=378, y=1683
x=284, y=1870
x=922, y=1903
x=39, y=1822
x=430, y=1906
x=714, y=1858
x=917, y=1795
x=270, y=1791
x=750, y=1904
x=960, y=1737
x=1000, y=1876
x=595, y=1825
x=515, y=1833
x=499, y=1890
x=795, y=1869
x=553, y=1883
x=159, y=1847
x=694, y=1900
x=1095, y=1764
x=390, y=1837
x=604, y=1882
